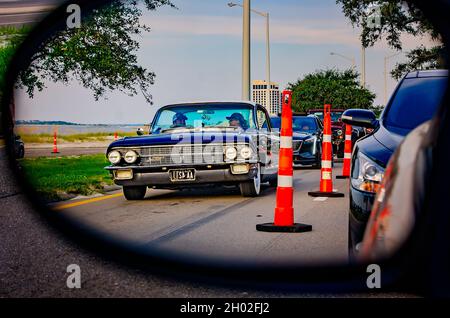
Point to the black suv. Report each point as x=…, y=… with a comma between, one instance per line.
x=414, y=101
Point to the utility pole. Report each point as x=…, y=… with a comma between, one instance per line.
x=269, y=86
x=363, y=67
x=246, y=82
x=265, y=15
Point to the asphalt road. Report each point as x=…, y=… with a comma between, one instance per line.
x=26, y=11
x=62, y=151
x=34, y=256
x=220, y=223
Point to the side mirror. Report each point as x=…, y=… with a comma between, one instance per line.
x=140, y=131
x=360, y=117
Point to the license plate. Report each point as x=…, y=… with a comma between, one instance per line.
x=182, y=175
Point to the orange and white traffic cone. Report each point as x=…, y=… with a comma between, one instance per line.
x=115, y=136
x=55, y=147
x=326, y=173
x=347, y=153
x=284, y=211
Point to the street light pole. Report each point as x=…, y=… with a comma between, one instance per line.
x=246, y=52
x=269, y=86
x=363, y=67
x=265, y=15
x=386, y=59
x=351, y=59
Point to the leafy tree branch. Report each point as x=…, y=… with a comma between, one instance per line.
x=395, y=19
x=101, y=54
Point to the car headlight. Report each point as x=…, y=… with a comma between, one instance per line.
x=114, y=157
x=130, y=156
x=311, y=142
x=367, y=175
x=230, y=153
x=246, y=152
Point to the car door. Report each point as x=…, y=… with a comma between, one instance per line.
x=268, y=143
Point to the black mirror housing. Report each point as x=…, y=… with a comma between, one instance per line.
x=360, y=118
x=140, y=131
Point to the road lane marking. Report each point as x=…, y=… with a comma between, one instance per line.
x=71, y=205
x=174, y=233
x=320, y=199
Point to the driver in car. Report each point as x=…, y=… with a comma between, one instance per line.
x=179, y=120
x=237, y=120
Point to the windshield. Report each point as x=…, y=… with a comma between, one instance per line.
x=415, y=102
x=299, y=124
x=304, y=124
x=335, y=116
x=204, y=116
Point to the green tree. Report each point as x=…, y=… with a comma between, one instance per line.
x=396, y=18
x=10, y=38
x=101, y=54
x=338, y=88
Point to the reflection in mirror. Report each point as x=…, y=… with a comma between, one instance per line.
x=204, y=173
x=360, y=118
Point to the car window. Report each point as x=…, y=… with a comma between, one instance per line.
x=336, y=116
x=415, y=102
x=304, y=124
x=206, y=116
x=261, y=117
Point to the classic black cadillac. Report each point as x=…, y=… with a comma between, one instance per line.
x=190, y=144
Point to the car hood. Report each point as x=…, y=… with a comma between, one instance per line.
x=301, y=136
x=182, y=137
x=388, y=138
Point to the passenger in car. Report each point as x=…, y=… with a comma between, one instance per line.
x=237, y=120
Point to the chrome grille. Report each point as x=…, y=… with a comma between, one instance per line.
x=181, y=154
x=296, y=145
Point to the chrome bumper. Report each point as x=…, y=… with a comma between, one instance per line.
x=201, y=177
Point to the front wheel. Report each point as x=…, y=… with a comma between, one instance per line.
x=351, y=247
x=252, y=188
x=134, y=192
x=21, y=153
x=273, y=182
x=318, y=163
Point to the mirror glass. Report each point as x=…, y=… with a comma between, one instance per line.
x=201, y=178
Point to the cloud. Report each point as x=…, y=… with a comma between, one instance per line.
x=313, y=32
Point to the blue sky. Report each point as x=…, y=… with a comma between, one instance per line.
x=195, y=52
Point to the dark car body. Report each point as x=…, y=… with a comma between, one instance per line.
x=183, y=157
x=414, y=101
x=401, y=196
x=306, y=143
x=337, y=129
x=18, y=147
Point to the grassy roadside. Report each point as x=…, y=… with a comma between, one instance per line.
x=62, y=178
x=84, y=137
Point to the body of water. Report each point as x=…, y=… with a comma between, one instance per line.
x=73, y=129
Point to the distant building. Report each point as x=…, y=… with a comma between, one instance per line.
x=259, y=95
